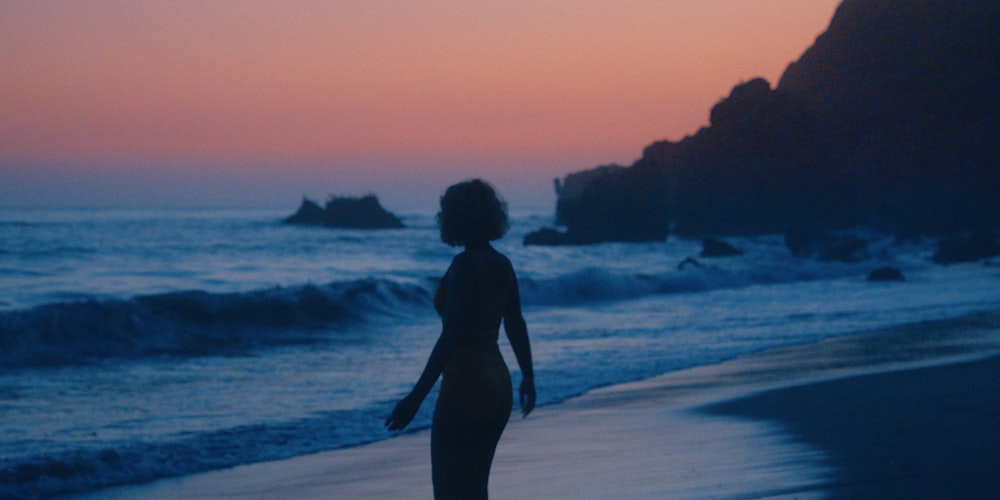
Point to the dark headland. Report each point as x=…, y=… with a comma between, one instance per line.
x=889, y=120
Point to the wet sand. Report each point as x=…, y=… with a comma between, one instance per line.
x=903, y=412
x=921, y=433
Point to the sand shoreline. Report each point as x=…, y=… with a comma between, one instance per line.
x=731, y=430
x=916, y=433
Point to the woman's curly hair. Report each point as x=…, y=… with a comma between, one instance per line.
x=472, y=213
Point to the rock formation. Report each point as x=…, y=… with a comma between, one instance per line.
x=890, y=119
x=713, y=247
x=364, y=213
x=887, y=273
x=978, y=246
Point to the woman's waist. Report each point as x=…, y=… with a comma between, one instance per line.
x=477, y=339
x=476, y=358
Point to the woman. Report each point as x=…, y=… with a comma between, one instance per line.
x=476, y=294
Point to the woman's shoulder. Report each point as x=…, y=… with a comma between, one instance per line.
x=498, y=258
x=461, y=265
x=462, y=259
x=471, y=258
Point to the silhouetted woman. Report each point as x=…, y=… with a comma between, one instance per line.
x=476, y=294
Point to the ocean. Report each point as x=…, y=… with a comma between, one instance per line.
x=143, y=344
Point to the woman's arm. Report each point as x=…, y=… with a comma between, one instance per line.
x=457, y=290
x=517, y=333
x=407, y=407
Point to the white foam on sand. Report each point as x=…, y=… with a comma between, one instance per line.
x=646, y=439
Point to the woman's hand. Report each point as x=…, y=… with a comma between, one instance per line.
x=403, y=413
x=527, y=396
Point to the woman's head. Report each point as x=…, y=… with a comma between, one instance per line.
x=471, y=213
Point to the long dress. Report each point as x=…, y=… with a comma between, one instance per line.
x=475, y=399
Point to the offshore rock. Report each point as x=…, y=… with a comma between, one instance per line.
x=357, y=213
x=887, y=273
x=609, y=203
x=978, y=246
x=827, y=247
x=309, y=212
x=712, y=247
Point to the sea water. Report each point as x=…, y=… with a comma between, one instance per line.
x=141, y=344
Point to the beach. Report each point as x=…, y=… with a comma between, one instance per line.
x=249, y=344
x=894, y=413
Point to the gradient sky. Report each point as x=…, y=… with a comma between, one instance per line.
x=256, y=103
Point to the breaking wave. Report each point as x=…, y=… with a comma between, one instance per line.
x=195, y=322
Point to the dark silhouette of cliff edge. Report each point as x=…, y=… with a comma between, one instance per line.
x=890, y=119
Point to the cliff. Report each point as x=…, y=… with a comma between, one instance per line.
x=890, y=119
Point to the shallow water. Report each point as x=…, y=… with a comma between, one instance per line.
x=145, y=344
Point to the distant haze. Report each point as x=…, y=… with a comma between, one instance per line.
x=252, y=103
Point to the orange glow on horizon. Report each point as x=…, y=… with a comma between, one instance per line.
x=308, y=82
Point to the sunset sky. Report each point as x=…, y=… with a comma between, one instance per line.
x=256, y=103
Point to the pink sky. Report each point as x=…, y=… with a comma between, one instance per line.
x=193, y=103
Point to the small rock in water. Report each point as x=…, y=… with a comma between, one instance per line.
x=886, y=274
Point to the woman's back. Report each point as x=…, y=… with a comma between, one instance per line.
x=474, y=296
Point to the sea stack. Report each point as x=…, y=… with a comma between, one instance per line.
x=346, y=212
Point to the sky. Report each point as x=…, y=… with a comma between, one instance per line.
x=241, y=103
